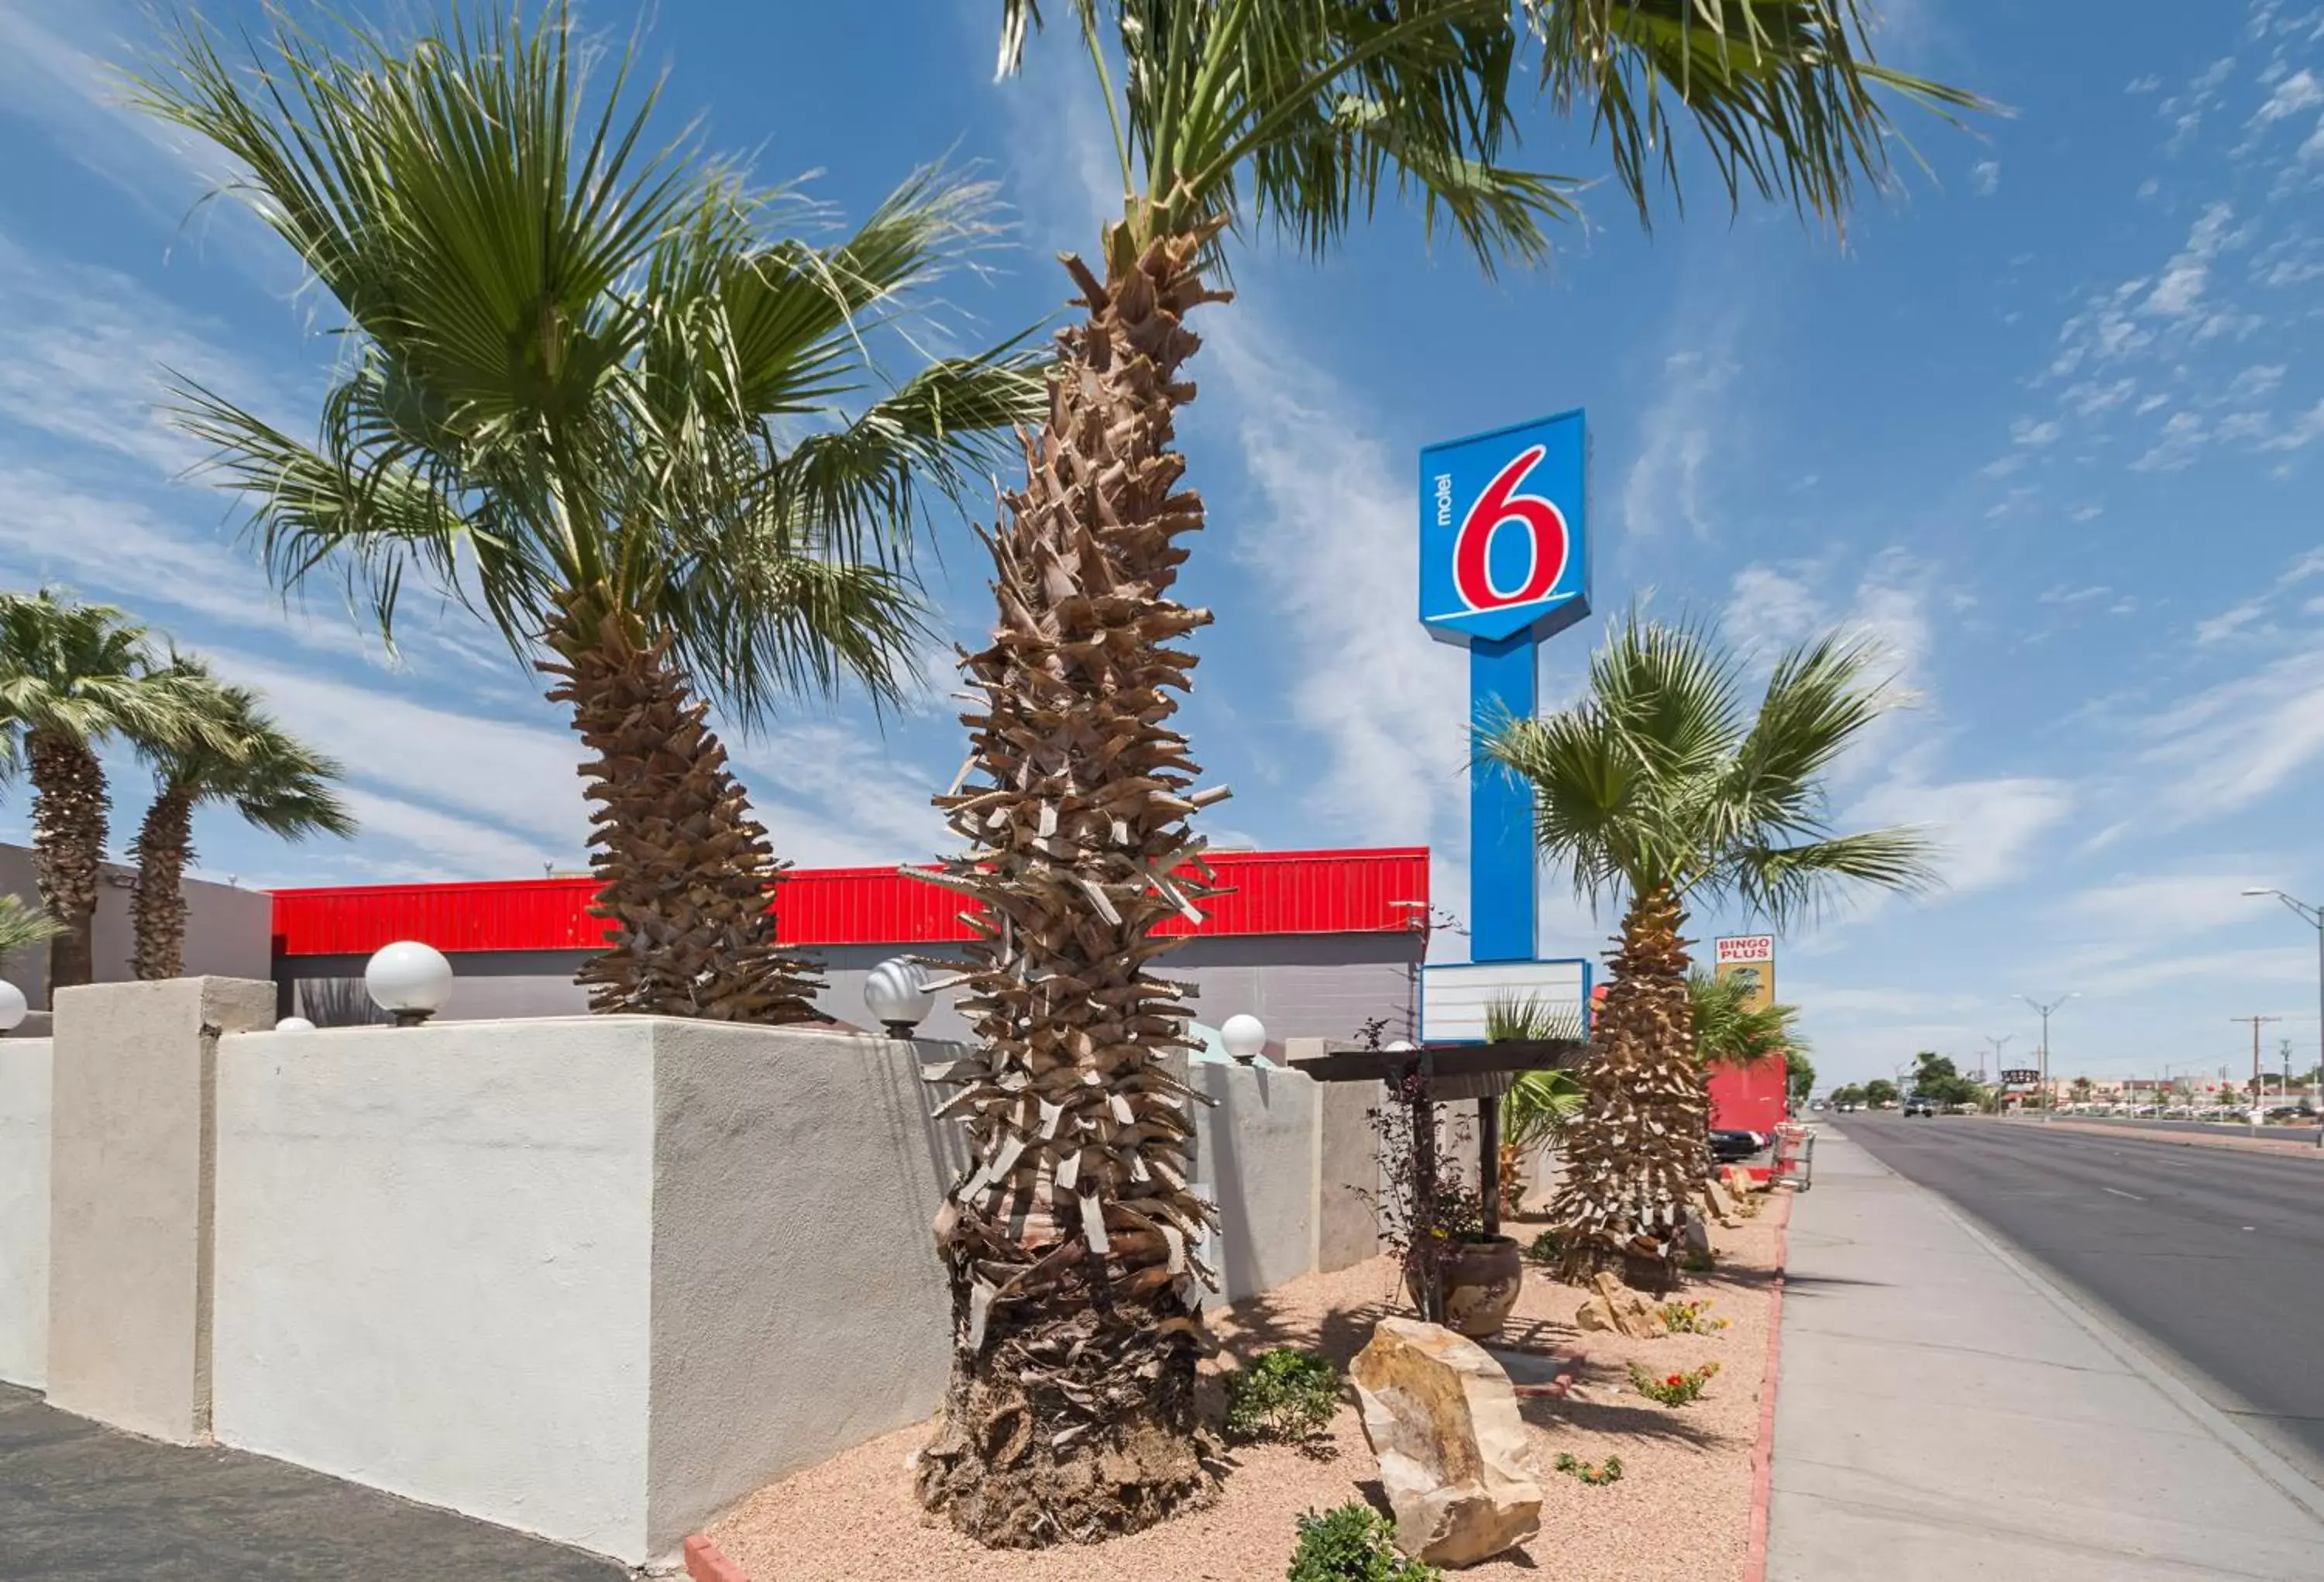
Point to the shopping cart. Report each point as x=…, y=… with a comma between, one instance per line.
x=1794, y=1159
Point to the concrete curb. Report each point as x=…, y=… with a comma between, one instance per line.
x=706, y=1563
x=1763, y=1453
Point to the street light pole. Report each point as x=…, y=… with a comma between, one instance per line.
x=2314, y=917
x=2045, y=1011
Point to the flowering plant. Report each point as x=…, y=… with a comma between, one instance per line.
x=1691, y=1318
x=1673, y=1389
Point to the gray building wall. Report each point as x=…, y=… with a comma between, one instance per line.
x=229, y=930
x=1301, y=985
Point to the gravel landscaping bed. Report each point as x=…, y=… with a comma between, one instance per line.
x=1680, y=1511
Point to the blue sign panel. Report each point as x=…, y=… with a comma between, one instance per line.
x=1504, y=534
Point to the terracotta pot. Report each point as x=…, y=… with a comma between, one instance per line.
x=1481, y=1285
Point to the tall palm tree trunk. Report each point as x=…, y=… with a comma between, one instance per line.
x=163, y=849
x=69, y=811
x=685, y=873
x=1636, y=1155
x=1070, y=1240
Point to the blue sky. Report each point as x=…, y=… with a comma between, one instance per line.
x=2049, y=425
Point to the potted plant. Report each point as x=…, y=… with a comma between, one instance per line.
x=1457, y=1274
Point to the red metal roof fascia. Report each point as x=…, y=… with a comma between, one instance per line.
x=1272, y=892
x=498, y=914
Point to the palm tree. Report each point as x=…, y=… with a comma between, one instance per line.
x=1068, y=1238
x=73, y=677
x=1731, y=1028
x=23, y=927
x=587, y=392
x=243, y=759
x=1661, y=788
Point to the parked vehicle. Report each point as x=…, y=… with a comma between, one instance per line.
x=1731, y=1147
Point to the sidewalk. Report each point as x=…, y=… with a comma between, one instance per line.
x=82, y=1503
x=1942, y=1416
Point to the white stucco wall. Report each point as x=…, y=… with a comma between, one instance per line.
x=1257, y=1150
x=24, y=1098
x=799, y=1305
x=434, y=1249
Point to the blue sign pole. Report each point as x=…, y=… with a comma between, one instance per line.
x=1504, y=563
x=1502, y=893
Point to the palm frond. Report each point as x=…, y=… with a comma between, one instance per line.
x=1789, y=884
x=23, y=926
x=579, y=364
x=81, y=671
x=1785, y=95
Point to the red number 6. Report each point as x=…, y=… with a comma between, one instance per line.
x=1545, y=538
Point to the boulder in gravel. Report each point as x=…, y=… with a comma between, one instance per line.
x=1620, y=1309
x=1442, y=1419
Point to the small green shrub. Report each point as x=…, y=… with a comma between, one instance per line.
x=1590, y=1472
x=1286, y=1395
x=1351, y=1544
x=1700, y=1263
x=1546, y=1248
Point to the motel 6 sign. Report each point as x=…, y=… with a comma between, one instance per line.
x=1504, y=532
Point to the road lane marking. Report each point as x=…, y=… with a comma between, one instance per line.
x=2119, y=1193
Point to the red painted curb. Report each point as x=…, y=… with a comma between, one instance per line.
x=705, y=1563
x=1763, y=1454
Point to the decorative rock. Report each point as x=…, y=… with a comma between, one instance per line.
x=1619, y=1310
x=1740, y=1180
x=1442, y=1419
x=1721, y=1204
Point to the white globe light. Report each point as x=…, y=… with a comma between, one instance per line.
x=897, y=995
x=1403, y=1046
x=294, y=1024
x=12, y=1007
x=1243, y=1034
x=408, y=980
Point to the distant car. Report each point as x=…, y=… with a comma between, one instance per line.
x=1917, y=1105
x=1730, y=1147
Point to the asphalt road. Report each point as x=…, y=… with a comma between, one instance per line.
x=2213, y=1257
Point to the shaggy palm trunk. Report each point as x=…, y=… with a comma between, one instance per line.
x=1636, y=1155
x=1070, y=1239
x=163, y=849
x=685, y=874
x=69, y=809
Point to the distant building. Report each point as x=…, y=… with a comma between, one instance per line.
x=1313, y=943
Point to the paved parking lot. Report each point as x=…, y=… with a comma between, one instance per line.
x=83, y=1502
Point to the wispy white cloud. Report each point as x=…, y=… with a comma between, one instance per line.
x=1686, y=422
x=2232, y=746
x=1385, y=700
x=86, y=351
x=1985, y=178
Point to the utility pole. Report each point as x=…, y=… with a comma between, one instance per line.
x=2045, y=1011
x=2257, y=1023
x=2313, y=916
x=1997, y=1043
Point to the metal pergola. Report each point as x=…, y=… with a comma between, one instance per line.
x=1448, y=1072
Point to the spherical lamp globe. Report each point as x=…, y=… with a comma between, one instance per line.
x=408, y=980
x=294, y=1024
x=12, y=1007
x=1244, y=1035
x=897, y=995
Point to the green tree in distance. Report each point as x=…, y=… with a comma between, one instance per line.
x=74, y=677
x=241, y=758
